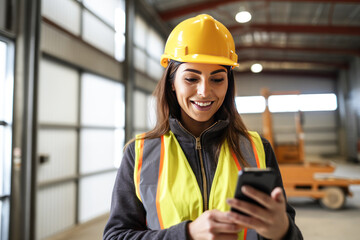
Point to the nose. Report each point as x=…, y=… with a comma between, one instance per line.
x=203, y=88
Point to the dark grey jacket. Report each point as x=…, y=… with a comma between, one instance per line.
x=128, y=217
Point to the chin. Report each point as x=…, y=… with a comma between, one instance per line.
x=202, y=119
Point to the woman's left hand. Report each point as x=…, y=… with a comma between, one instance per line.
x=271, y=221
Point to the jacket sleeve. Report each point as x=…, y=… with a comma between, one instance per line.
x=294, y=232
x=127, y=218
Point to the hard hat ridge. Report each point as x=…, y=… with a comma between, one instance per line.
x=200, y=39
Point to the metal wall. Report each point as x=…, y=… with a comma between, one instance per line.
x=321, y=128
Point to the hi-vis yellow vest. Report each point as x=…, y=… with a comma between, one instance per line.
x=167, y=186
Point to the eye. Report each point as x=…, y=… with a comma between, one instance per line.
x=191, y=79
x=218, y=80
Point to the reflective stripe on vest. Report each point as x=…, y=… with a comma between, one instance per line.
x=167, y=186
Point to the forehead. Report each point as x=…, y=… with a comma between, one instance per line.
x=201, y=67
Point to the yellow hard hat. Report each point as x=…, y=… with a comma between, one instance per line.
x=200, y=39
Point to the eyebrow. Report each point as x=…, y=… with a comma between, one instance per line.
x=217, y=71
x=199, y=72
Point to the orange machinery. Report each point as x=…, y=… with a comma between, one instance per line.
x=301, y=178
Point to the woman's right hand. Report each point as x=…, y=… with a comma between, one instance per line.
x=213, y=224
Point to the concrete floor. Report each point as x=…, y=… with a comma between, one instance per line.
x=315, y=222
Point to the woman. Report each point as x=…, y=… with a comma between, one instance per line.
x=178, y=180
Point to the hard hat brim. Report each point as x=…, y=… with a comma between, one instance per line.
x=199, y=58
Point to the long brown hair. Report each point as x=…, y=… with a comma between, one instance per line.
x=167, y=105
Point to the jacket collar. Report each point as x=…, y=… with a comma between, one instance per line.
x=215, y=131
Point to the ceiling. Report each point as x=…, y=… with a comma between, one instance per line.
x=285, y=36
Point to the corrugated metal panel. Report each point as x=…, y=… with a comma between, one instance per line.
x=102, y=102
x=58, y=93
x=142, y=81
x=55, y=210
x=66, y=13
x=72, y=50
x=251, y=84
x=320, y=130
x=100, y=149
x=60, y=145
x=95, y=195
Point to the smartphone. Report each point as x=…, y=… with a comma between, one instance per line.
x=260, y=179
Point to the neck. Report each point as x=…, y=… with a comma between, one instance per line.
x=195, y=127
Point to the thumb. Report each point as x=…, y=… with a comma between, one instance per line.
x=278, y=195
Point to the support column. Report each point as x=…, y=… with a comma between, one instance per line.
x=129, y=69
x=31, y=26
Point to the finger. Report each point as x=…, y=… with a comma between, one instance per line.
x=231, y=228
x=246, y=221
x=226, y=236
x=249, y=208
x=219, y=216
x=258, y=196
x=278, y=195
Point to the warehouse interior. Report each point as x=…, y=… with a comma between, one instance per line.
x=76, y=83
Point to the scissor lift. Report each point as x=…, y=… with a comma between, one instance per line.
x=305, y=179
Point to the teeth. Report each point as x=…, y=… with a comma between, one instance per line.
x=203, y=104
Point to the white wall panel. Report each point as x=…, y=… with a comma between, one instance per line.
x=140, y=110
x=5, y=159
x=283, y=122
x=58, y=93
x=319, y=149
x=105, y=9
x=321, y=136
x=65, y=13
x=320, y=120
x=155, y=45
x=253, y=122
x=139, y=60
x=140, y=32
x=154, y=69
x=95, y=195
x=320, y=130
x=251, y=84
x=98, y=34
x=55, y=209
x=2, y=158
x=2, y=78
x=286, y=138
x=61, y=147
x=120, y=47
x=102, y=102
x=100, y=149
x=151, y=109
x=5, y=215
x=6, y=84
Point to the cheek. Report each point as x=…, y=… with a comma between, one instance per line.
x=222, y=92
x=182, y=92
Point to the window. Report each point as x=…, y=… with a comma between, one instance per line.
x=149, y=47
x=104, y=26
x=6, y=109
x=100, y=23
x=81, y=132
x=284, y=103
x=318, y=102
x=252, y=104
x=144, y=113
x=288, y=103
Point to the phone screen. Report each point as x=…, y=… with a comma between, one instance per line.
x=260, y=179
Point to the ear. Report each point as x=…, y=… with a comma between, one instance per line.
x=173, y=87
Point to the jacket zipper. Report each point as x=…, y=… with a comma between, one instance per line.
x=203, y=174
x=198, y=147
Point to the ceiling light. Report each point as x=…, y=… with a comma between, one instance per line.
x=243, y=17
x=256, y=68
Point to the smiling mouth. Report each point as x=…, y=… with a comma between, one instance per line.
x=202, y=104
